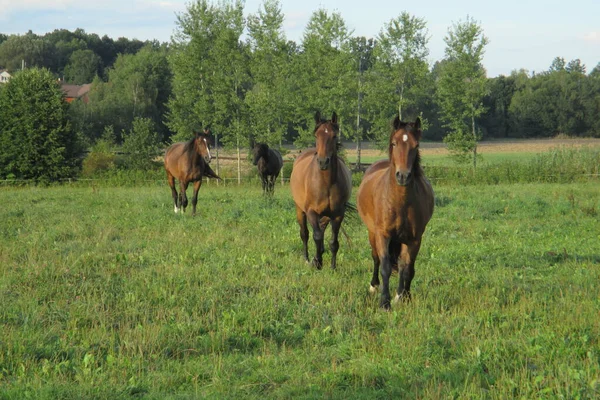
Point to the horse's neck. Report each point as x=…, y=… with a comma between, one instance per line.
x=395, y=193
x=330, y=175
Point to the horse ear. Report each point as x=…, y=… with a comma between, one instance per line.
x=334, y=118
x=418, y=128
x=317, y=117
x=397, y=122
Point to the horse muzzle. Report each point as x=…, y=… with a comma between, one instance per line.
x=403, y=178
x=324, y=163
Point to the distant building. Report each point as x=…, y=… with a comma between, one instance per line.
x=74, y=92
x=4, y=76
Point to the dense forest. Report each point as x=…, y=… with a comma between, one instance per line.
x=244, y=79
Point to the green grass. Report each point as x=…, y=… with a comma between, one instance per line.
x=106, y=293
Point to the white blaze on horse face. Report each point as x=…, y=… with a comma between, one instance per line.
x=207, y=149
x=405, y=137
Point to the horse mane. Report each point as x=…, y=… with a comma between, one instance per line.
x=416, y=167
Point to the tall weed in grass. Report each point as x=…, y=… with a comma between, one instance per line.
x=560, y=165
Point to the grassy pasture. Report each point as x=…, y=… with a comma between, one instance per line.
x=106, y=293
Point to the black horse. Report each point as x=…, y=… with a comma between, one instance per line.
x=269, y=164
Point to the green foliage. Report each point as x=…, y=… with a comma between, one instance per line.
x=36, y=138
x=462, y=86
x=138, y=86
x=141, y=144
x=396, y=82
x=551, y=103
x=101, y=157
x=324, y=76
x=210, y=72
x=560, y=165
x=268, y=102
x=53, y=50
x=108, y=294
x=83, y=66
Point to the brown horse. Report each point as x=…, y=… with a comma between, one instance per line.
x=269, y=163
x=321, y=185
x=395, y=201
x=188, y=162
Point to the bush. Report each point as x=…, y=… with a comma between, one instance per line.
x=36, y=138
x=101, y=157
x=142, y=144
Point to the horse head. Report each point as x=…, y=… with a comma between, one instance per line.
x=203, y=147
x=259, y=150
x=326, y=138
x=404, y=149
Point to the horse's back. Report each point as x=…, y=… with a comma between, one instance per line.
x=277, y=162
x=174, y=160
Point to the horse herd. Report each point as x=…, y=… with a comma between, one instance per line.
x=395, y=200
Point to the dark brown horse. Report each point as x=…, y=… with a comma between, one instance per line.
x=188, y=162
x=269, y=164
x=321, y=185
x=395, y=201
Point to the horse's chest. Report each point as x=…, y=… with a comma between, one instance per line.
x=401, y=224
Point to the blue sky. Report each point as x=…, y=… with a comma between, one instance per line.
x=523, y=34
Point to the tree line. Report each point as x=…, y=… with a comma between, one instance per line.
x=245, y=80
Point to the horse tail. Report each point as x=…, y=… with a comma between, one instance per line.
x=210, y=173
x=351, y=214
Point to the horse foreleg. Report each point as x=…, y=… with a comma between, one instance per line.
x=171, y=181
x=265, y=183
x=406, y=270
x=197, y=185
x=318, y=236
x=386, y=270
x=301, y=217
x=334, y=243
x=182, y=195
x=374, y=286
x=273, y=180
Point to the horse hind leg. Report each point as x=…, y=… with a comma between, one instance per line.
x=171, y=181
x=374, y=286
x=182, y=195
x=301, y=217
x=197, y=185
x=318, y=237
x=334, y=243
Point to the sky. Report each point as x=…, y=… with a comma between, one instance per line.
x=523, y=34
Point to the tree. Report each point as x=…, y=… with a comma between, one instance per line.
x=324, y=72
x=462, y=86
x=268, y=101
x=139, y=85
x=209, y=64
x=29, y=49
x=362, y=53
x=399, y=71
x=36, y=139
x=210, y=73
x=83, y=66
x=141, y=144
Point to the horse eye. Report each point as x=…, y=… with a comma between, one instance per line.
x=393, y=144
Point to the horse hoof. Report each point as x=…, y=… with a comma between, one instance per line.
x=176, y=209
x=385, y=306
x=397, y=298
x=373, y=289
x=317, y=264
